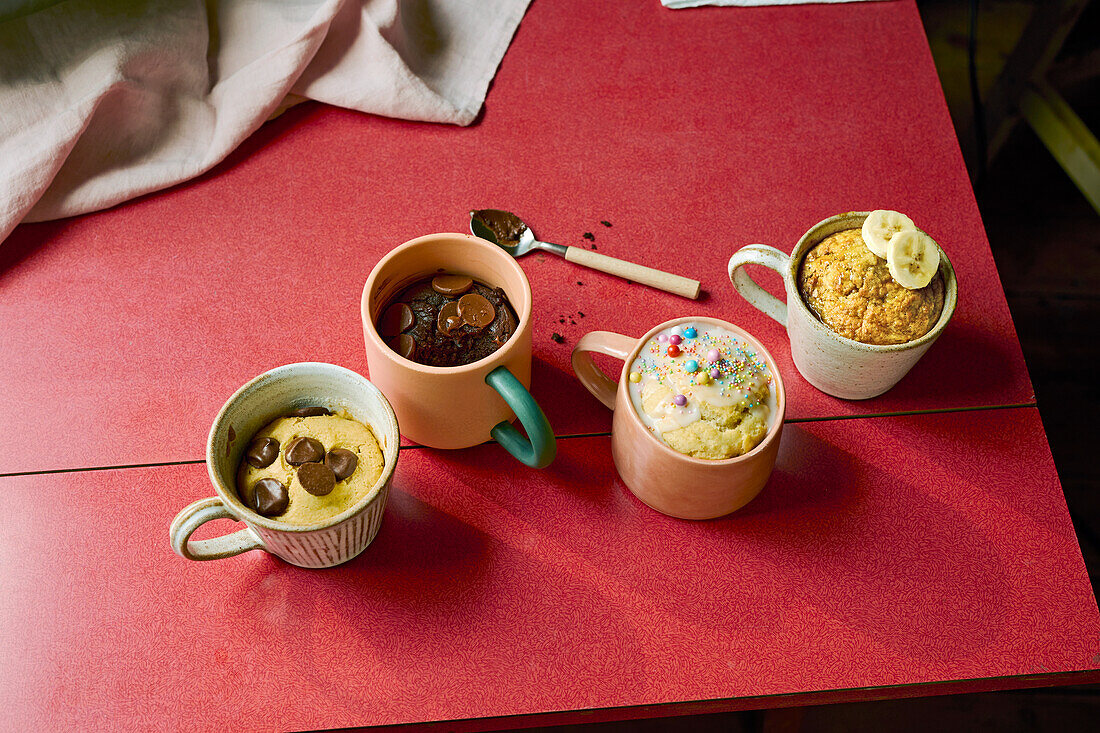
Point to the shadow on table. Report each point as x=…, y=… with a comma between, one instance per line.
x=870, y=545
x=963, y=360
x=25, y=240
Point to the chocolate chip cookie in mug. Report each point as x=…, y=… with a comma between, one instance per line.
x=278, y=420
x=307, y=466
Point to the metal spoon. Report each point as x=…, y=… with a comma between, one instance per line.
x=508, y=231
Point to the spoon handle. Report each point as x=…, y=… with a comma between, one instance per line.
x=666, y=281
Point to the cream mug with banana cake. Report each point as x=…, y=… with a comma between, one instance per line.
x=867, y=294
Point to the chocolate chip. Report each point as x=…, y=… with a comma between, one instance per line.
x=404, y=345
x=557, y=338
x=579, y=283
x=448, y=319
x=268, y=498
x=580, y=313
x=309, y=411
x=262, y=452
x=589, y=236
x=452, y=285
x=476, y=310
x=317, y=478
x=342, y=462
x=396, y=319
x=605, y=222
x=304, y=450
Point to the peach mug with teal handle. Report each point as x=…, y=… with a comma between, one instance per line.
x=460, y=406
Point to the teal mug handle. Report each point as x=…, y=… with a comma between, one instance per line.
x=538, y=449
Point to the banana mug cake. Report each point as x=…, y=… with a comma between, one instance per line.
x=876, y=285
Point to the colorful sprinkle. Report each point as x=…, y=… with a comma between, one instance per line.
x=677, y=331
x=662, y=338
x=715, y=372
x=691, y=366
x=673, y=350
x=680, y=400
x=635, y=377
x=702, y=378
x=675, y=339
x=690, y=332
x=713, y=355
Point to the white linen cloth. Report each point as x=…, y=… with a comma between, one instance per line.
x=675, y=4
x=104, y=100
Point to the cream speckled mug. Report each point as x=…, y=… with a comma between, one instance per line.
x=270, y=395
x=834, y=364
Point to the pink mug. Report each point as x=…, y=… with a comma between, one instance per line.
x=670, y=482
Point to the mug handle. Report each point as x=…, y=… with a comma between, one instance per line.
x=592, y=377
x=538, y=449
x=762, y=300
x=199, y=513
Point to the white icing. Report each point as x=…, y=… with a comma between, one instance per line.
x=744, y=371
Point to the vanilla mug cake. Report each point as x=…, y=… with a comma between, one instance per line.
x=702, y=391
x=698, y=413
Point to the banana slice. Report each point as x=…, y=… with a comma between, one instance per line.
x=881, y=226
x=912, y=258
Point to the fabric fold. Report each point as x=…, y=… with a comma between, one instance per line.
x=105, y=100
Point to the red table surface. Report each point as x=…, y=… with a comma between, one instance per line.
x=692, y=133
x=912, y=555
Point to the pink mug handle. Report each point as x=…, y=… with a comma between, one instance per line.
x=591, y=376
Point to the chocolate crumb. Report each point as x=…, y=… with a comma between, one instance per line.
x=579, y=283
x=593, y=245
x=561, y=320
x=557, y=338
x=572, y=322
x=605, y=222
x=580, y=313
x=589, y=236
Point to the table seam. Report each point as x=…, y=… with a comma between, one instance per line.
x=569, y=436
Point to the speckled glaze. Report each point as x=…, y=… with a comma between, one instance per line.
x=446, y=407
x=836, y=365
x=254, y=405
x=671, y=482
